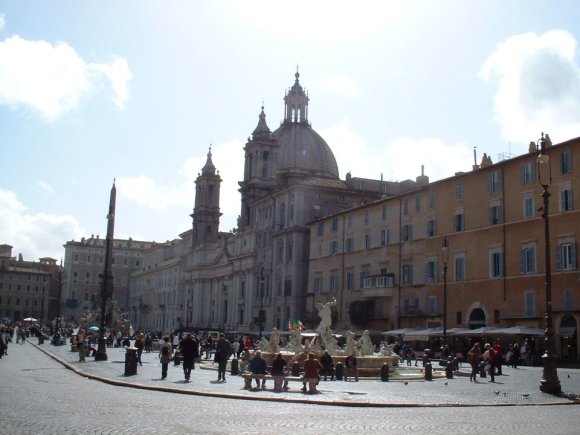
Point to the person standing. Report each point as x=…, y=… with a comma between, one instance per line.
x=189, y=352
x=515, y=355
x=498, y=357
x=223, y=352
x=489, y=358
x=351, y=367
x=81, y=345
x=473, y=358
x=165, y=356
x=140, y=345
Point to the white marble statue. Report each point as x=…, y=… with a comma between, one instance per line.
x=274, y=341
x=350, y=343
x=325, y=313
x=295, y=344
x=366, y=344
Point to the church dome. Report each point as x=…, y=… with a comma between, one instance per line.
x=302, y=152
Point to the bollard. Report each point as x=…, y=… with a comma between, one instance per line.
x=428, y=371
x=339, y=371
x=295, y=369
x=234, y=367
x=482, y=372
x=131, y=361
x=385, y=372
x=449, y=370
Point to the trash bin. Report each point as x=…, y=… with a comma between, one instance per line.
x=428, y=371
x=385, y=369
x=339, y=371
x=131, y=361
x=234, y=367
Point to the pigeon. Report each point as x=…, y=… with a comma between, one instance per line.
x=406, y=382
x=496, y=392
x=446, y=383
x=568, y=375
x=525, y=394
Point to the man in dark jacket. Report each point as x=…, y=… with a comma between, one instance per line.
x=258, y=366
x=189, y=351
x=223, y=351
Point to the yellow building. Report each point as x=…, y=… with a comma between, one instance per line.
x=383, y=262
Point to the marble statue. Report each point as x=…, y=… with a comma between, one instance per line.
x=325, y=313
x=351, y=344
x=365, y=344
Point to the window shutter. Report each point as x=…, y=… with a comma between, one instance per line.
x=559, y=257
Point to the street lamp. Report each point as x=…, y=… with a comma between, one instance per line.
x=550, y=382
x=444, y=259
x=261, y=315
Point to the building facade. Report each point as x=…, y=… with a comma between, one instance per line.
x=83, y=268
x=384, y=261
x=28, y=289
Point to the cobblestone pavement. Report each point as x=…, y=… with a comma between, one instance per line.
x=39, y=395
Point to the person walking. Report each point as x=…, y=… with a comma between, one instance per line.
x=189, y=351
x=473, y=358
x=223, y=351
x=165, y=356
x=140, y=345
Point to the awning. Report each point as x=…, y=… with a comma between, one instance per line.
x=566, y=331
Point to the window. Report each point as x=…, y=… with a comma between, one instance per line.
x=432, y=199
x=432, y=304
x=529, y=208
x=494, y=182
x=460, y=268
x=567, y=302
x=459, y=221
x=431, y=227
x=76, y=258
x=458, y=191
x=407, y=233
x=495, y=214
x=320, y=229
x=528, y=173
x=289, y=250
x=88, y=259
x=418, y=202
x=530, y=304
x=334, y=224
x=366, y=216
x=349, y=244
x=349, y=221
x=407, y=274
x=385, y=214
x=566, y=163
x=528, y=260
x=363, y=279
x=333, y=247
x=367, y=241
x=565, y=199
x=75, y=277
x=87, y=277
x=333, y=283
x=496, y=264
x=350, y=281
x=384, y=237
x=431, y=271
x=318, y=284
x=566, y=256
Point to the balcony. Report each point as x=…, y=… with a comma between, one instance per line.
x=377, y=292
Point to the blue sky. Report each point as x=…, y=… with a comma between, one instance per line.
x=138, y=90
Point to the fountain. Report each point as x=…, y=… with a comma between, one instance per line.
x=369, y=362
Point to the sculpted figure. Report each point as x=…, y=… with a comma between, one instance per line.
x=325, y=313
x=365, y=344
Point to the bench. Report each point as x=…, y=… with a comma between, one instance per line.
x=280, y=382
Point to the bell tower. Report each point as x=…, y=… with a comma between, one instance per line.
x=260, y=156
x=206, y=212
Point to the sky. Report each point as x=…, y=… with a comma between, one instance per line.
x=138, y=91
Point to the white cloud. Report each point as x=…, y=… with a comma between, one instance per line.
x=53, y=79
x=226, y=157
x=339, y=84
x=34, y=235
x=400, y=159
x=538, y=86
x=44, y=186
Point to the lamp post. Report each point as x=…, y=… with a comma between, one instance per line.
x=550, y=382
x=444, y=259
